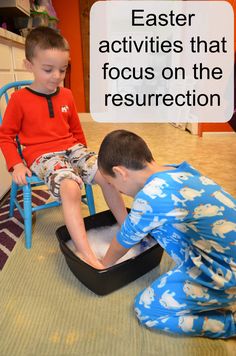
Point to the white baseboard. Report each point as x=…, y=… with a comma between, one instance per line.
x=221, y=133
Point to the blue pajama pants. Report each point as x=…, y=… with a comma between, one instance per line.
x=180, y=303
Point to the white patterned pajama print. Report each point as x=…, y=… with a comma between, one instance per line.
x=194, y=220
x=74, y=163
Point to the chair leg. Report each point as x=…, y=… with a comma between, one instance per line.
x=27, y=215
x=12, y=198
x=90, y=199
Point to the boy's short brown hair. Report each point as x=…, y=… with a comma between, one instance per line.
x=43, y=37
x=123, y=148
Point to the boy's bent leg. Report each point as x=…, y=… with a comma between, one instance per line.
x=212, y=323
x=168, y=305
x=71, y=206
x=113, y=198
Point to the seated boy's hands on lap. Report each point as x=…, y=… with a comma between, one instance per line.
x=19, y=173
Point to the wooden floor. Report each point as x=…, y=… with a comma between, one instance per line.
x=213, y=155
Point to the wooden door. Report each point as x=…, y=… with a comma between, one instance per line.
x=85, y=6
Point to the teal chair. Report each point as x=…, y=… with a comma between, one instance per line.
x=33, y=181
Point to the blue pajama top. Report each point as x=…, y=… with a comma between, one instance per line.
x=187, y=212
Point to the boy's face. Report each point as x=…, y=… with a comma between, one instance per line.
x=122, y=181
x=49, y=68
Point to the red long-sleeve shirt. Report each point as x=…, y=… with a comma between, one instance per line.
x=43, y=123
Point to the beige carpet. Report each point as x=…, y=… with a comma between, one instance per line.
x=44, y=310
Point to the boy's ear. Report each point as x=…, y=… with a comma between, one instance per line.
x=120, y=171
x=28, y=65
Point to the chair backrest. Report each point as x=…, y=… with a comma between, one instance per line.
x=5, y=93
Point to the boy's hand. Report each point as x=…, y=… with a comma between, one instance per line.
x=105, y=264
x=19, y=173
x=92, y=262
x=114, y=253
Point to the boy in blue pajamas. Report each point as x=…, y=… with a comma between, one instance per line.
x=194, y=220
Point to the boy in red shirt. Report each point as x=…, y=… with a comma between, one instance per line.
x=45, y=119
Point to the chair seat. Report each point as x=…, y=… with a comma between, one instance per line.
x=34, y=179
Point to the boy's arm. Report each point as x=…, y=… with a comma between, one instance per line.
x=136, y=226
x=8, y=131
x=114, y=253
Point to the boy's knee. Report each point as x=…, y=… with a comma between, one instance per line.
x=69, y=186
x=142, y=313
x=61, y=183
x=69, y=190
x=143, y=316
x=144, y=306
